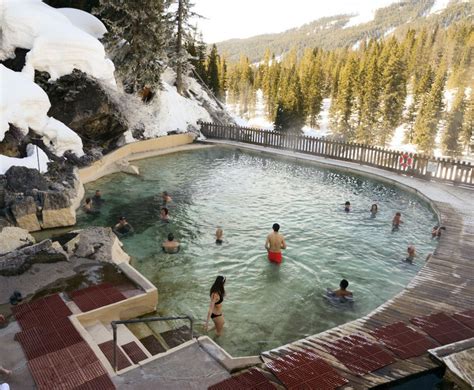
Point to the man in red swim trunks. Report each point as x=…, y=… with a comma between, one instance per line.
x=274, y=244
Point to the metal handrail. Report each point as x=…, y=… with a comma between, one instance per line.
x=148, y=319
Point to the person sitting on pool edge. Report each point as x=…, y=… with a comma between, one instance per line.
x=122, y=228
x=274, y=244
x=170, y=245
x=219, y=235
x=164, y=214
x=436, y=232
x=343, y=292
x=347, y=206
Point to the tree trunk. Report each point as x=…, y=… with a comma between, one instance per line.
x=179, y=44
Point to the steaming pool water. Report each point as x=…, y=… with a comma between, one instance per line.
x=245, y=193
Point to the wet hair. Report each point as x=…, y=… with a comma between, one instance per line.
x=347, y=203
x=165, y=193
x=88, y=200
x=218, y=286
x=374, y=205
x=398, y=214
x=344, y=284
x=170, y=237
x=122, y=219
x=165, y=210
x=96, y=191
x=276, y=227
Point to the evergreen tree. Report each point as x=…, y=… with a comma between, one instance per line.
x=213, y=71
x=421, y=86
x=426, y=124
x=450, y=141
x=290, y=101
x=196, y=49
x=370, y=95
x=311, y=76
x=341, y=112
x=179, y=24
x=137, y=33
x=467, y=131
x=222, y=78
x=393, y=95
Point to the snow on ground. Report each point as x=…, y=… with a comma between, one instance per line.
x=25, y=105
x=85, y=21
x=169, y=111
x=438, y=6
x=56, y=45
x=34, y=156
x=323, y=130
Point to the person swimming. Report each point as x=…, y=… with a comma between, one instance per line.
x=374, y=210
x=89, y=207
x=219, y=235
x=411, y=254
x=217, y=294
x=166, y=198
x=164, y=215
x=396, y=221
x=97, y=199
x=347, y=206
x=122, y=228
x=274, y=244
x=342, y=292
x=170, y=245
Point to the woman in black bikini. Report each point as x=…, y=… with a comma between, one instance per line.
x=217, y=294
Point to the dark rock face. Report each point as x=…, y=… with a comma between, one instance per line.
x=22, y=179
x=82, y=104
x=20, y=260
x=14, y=143
x=18, y=62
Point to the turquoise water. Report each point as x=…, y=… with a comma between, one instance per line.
x=266, y=305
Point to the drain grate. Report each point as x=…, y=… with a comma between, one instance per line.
x=134, y=352
x=108, y=349
x=96, y=296
x=152, y=345
x=251, y=380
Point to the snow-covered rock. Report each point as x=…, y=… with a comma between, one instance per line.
x=25, y=105
x=85, y=21
x=35, y=157
x=57, y=45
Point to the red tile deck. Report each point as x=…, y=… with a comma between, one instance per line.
x=359, y=354
x=134, y=352
x=402, y=340
x=58, y=356
x=250, y=380
x=93, y=297
x=443, y=328
x=466, y=317
x=305, y=370
x=108, y=349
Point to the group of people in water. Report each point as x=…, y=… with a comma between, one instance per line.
x=274, y=244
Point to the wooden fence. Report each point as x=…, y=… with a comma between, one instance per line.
x=417, y=165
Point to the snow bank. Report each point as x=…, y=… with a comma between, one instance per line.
x=438, y=6
x=85, y=21
x=57, y=45
x=25, y=105
x=34, y=155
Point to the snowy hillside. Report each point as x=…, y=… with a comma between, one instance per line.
x=59, y=41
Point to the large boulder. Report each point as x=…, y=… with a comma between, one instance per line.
x=82, y=104
x=100, y=244
x=12, y=238
x=36, y=201
x=20, y=260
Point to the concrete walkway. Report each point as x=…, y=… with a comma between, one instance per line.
x=190, y=367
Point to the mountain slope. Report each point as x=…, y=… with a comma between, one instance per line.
x=339, y=31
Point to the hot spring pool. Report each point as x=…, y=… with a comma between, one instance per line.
x=266, y=305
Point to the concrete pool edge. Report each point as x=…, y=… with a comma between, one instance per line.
x=436, y=200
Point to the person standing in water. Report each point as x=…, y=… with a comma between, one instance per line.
x=217, y=294
x=397, y=220
x=166, y=198
x=347, y=206
x=374, y=210
x=274, y=244
x=219, y=235
x=170, y=245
